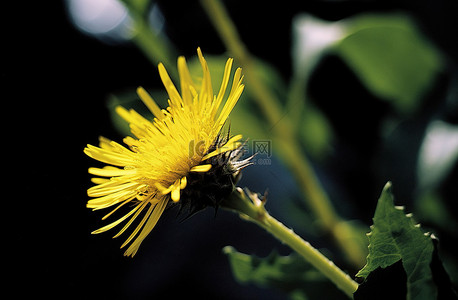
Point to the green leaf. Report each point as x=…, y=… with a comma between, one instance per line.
x=394, y=237
x=391, y=57
x=291, y=274
x=315, y=132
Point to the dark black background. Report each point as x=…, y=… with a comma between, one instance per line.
x=55, y=84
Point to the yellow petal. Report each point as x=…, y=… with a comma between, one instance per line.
x=201, y=168
x=183, y=183
x=185, y=81
x=152, y=220
x=229, y=105
x=224, y=83
x=175, y=97
x=142, y=206
x=230, y=145
x=150, y=103
x=162, y=188
x=206, y=82
x=111, y=171
x=128, y=200
x=98, y=180
x=111, y=225
x=176, y=194
x=139, y=226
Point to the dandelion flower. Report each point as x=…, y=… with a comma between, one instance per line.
x=180, y=157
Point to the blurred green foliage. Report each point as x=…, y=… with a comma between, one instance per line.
x=391, y=57
x=290, y=274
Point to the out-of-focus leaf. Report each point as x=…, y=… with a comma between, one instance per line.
x=438, y=153
x=396, y=237
x=391, y=57
x=290, y=274
x=315, y=132
x=312, y=38
x=431, y=209
x=271, y=78
x=246, y=122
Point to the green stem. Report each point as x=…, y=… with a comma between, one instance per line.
x=155, y=47
x=296, y=101
x=254, y=211
x=312, y=255
x=283, y=131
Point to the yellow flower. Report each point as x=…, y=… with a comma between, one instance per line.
x=172, y=158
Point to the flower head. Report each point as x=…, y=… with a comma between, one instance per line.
x=179, y=157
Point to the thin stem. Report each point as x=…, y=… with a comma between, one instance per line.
x=254, y=211
x=283, y=131
x=155, y=47
x=311, y=254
